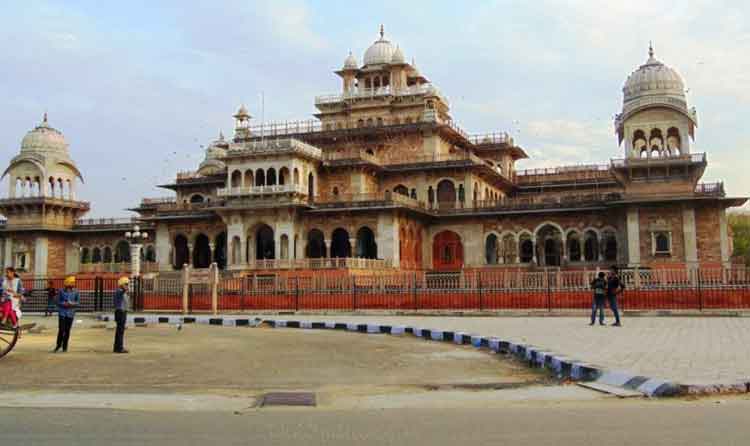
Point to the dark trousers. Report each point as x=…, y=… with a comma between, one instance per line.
x=121, y=316
x=63, y=332
x=597, y=304
x=613, y=306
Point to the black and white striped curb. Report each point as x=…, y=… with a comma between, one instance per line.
x=560, y=365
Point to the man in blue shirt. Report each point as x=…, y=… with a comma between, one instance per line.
x=121, y=313
x=67, y=301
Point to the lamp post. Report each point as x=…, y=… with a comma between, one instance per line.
x=135, y=238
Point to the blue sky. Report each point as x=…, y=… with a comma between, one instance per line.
x=137, y=88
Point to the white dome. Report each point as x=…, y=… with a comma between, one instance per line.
x=380, y=52
x=218, y=148
x=651, y=79
x=351, y=62
x=44, y=139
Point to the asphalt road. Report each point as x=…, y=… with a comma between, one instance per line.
x=598, y=423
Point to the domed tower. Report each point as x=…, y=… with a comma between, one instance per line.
x=655, y=121
x=41, y=203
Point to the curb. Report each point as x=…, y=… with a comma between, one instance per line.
x=562, y=366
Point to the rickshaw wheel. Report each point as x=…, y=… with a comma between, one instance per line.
x=8, y=339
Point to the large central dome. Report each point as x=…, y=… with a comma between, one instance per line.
x=380, y=52
x=651, y=79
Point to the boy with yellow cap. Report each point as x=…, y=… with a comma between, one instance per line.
x=122, y=301
x=67, y=301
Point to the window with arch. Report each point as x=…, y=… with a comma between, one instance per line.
x=662, y=243
x=491, y=250
x=283, y=175
x=96, y=255
x=85, y=256
x=107, y=255
x=249, y=179
x=639, y=143
x=591, y=246
x=271, y=177
x=526, y=249
x=360, y=123
x=369, y=122
x=335, y=191
x=674, y=143
x=236, y=179
x=260, y=177
x=573, y=243
x=402, y=190
x=197, y=198
x=414, y=194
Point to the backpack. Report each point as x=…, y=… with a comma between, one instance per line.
x=600, y=287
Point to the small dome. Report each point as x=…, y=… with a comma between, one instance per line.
x=380, y=52
x=398, y=56
x=218, y=148
x=242, y=112
x=351, y=62
x=44, y=139
x=651, y=79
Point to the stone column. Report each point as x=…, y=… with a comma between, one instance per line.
x=689, y=234
x=633, y=237
x=534, y=259
x=8, y=257
x=41, y=248
x=724, y=239
x=189, y=259
x=163, y=247
x=135, y=259
x=353, y=246
x=327, y=248
x=387, y=239
x=212, y=251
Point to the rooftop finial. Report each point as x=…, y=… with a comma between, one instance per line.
x=650, y=49
x=44, y=118
x=382, y=31
x=221, y=135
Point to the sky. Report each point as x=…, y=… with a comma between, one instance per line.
x=139, y=88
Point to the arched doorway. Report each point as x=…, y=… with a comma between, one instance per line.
x=316, y=248
x=446, y=194
x=150, y=254
x=550, y=239
x=201, y=252
x=574, y=247
x=220, y=250
x=260, y=177
x=610, y=246
x=265, y=248
x=401, y=189
x=107, y=256
x=122, y=252
x=340, y=246
x=366, y=247
x=525, y=249
x=236, y=248
x=591, y=247
x=447, y=251
x=271, y=177
x=180, y=251
x=491, y=250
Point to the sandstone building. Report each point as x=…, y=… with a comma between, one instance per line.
x=385, y=178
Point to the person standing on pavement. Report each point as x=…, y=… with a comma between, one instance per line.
x=599, y=285
x=615, y=287
x=68, y=300
x=122, y=302
x=51, y=299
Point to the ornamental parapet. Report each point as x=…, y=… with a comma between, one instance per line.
x=322, y=263
x=262, y=190
x=682, y=159
x=275, y=146
x=380, y=92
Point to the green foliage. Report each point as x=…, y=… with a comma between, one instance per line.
x=740, y=224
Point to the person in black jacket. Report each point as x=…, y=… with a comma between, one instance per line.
x=599, y=285
x=121, y=313
x=615, y=287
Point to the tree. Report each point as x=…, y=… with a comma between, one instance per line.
x=740, y=224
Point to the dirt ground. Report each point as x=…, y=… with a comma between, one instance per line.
x=228, y=360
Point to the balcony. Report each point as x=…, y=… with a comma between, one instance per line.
x=573, y=175
x=323, y=263
x=116, y=268
x=108, y=224
x=710, y=189
x=491, y=139
x=261, y=190
x=380, y=92
x=276, y=146
x=368, y=200
x=350, y=157
x=689, y=158
x=529, y=203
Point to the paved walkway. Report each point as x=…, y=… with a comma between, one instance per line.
x=688, y=350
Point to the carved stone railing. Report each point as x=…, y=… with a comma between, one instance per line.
x=365, y=93
x=710, y=189
x=689, y=158
x=322, y=263
x=262, y=190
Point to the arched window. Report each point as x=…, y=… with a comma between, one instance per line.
x=461, y=193
x=574, y=247
x=236, y=180
x=413, y=194
x=311, y=185
x=271, y=177
x=446, y=194
x=283, y=175
x=296, y=176
x=491, y=250
x=661, y=239
x=610, y=246
x=220, y=250
x=674, y=143
x=509, y=249
x=197, y=198
x=260, y=177
x=639, y=142
x=335, y=191
x=591, y=247
x=656, y=140
x=96, y=255
x=181, y=252
x=369, y=122
x=236, y=250
x=402, y=190
x=107, y=256
x=284, y=245
x=85, y=256
x=249, y=178
x=526, y=249
x=360, y=123
x=150, y=254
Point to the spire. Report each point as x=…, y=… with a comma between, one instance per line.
x=44, y=118
x=650, y=50
x=382, y=32
x=221, y=135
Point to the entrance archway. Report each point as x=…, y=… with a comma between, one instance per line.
x=180, y=251
x=447, y=251
x=340, y=246
x=366, y=247
x=122, y=252
x=316, y=248
x=264, y=243
x=549, y=239
x=220, y=250
x=491, y=250
x=201, y=252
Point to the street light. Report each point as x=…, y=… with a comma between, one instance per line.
x=135, y=238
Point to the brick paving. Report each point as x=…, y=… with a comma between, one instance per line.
x=688, y=350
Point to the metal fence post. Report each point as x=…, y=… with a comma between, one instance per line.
x=214, y=284
x=296, y=293
x=185, y=289
x=700, y=290
x=414, y=293
x=479, y=290
x=354, y=292
x=549, y=292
